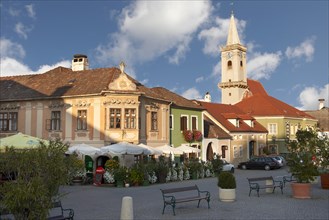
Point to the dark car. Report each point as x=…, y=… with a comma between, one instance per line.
x=266, y=163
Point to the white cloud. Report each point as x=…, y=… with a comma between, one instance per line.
x=30, y=10
x=22, y=30
x=11, y=49
x=305, y=49
x=199, y=79
x=12, y=67
x=216, y=36
x=149, y=29
x=263, y=65
x=13, y=12
x=192, y=93
x=310, y=95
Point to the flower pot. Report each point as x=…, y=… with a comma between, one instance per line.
x=301, y=190
x=227, y=195
x=325, y=180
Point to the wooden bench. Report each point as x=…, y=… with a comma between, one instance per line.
x=183, y=194
x=58, y=213
x=264, y=183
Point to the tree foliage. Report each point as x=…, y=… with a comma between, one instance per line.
x=35, y=176
x=302, y=158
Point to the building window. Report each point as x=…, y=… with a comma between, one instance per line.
x=241, y=63
x=115, y=118
x=183, y=123
x=8, y=121
x=272, y=128
x=130, y=118
x=241, y=151
x=82, y=120
x=171, y=122
x=236, y=152
x=229, y=64
x=194, y=123
x=154, y=121
x=55, y=121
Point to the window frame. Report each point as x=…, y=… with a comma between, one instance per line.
x=9, y=123
x=196, y=122
x=130, y=118
x=272, y=128
x=184, y=125
x=82, y=124
x=115, y=119
x=154, y=121
x=55, y=120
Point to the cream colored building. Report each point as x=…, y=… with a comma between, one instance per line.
x=81, y=105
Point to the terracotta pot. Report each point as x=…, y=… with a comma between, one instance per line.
x=301, y=190
x=325, y=180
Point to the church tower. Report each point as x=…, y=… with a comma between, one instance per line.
x=234, y=74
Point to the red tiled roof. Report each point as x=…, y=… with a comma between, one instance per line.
x=219, y=111
x=177, y=100
x=211, y=130
x=261, y=104
x=63, y=82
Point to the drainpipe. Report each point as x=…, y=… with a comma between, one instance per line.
x=170, y=131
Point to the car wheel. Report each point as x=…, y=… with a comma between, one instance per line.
x=232, y=170
x=244, y=167
x=267, y=167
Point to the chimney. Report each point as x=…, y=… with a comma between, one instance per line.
x=321, y=104
x=80, y=62
x=207, y=97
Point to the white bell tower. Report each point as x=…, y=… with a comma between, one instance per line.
x=234, y=74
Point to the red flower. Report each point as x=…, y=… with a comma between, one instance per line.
x=197, y=135
x=188, y=135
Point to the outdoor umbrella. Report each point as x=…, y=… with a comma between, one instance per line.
x=125, y=148
x=166, y=149
x=188, y=149
x=153, y=150
x=21, y=141
x=84, y=149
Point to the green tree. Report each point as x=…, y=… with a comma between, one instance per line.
x=302, y=159
x=35, y=177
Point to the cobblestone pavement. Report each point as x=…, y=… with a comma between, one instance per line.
x=92, y=203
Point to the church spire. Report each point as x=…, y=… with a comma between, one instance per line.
x=233, y=36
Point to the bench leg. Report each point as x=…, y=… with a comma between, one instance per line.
x=164, y=206
x=258, y=192
x=249, y=192
x=199, y=203
x=173, y=208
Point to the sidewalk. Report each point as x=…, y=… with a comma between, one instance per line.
x=91, y=202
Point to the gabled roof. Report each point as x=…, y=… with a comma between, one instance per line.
x=259, y=103
x=211, y=130
x=63, y=82
x=177, y=100
x=221, y=112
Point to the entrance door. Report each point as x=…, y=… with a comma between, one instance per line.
x=210, y=152
x=251, y=148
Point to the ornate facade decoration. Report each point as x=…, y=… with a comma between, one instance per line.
x=10, y=106
x=56, y=104
x=82, y=103
x=152, y=107
x=112, y=101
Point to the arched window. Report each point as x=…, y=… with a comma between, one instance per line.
x=241, y=63
x=229, y=64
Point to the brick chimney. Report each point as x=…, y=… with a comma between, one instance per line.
x=80, y=62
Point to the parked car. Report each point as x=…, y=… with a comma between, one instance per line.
x=266, y=163
x=228, y=166
x=280, y=159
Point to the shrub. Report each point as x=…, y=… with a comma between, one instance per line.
x=226, y=180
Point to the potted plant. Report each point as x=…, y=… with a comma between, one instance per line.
x=194, y=167
x=120, y=176
x=302, y=162
x=227, y=186
x=78, y=171
x=323, y=159
x=136, y=176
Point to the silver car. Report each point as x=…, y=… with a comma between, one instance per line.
x=228, y=166
x=282, y=162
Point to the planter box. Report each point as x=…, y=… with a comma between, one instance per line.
x=227, y=195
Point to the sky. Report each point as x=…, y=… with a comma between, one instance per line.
x=175, y=44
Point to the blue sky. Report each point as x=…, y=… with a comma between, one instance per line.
x=175, y=44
